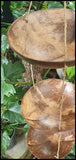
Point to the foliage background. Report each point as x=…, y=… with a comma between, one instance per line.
x=11, y=89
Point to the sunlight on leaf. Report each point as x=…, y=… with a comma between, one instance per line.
x=4, y=44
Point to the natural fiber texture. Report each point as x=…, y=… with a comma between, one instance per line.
x=31, y=68
x=30, y=7
x=32, y=76
x=65, y=52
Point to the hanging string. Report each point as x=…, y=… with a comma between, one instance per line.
x=31, y=68
x=30, y=7
x=32, y=76
x=65, y=51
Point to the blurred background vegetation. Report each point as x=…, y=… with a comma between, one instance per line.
x=12, y=68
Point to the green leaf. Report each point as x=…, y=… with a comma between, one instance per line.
x=4, y=44
x=19, y=4
x=7, y=99
x=16, y=97
x=18, y=13
x=73, y=151
x=15, y=54
x=19, y=92
x=26, y=127
x=48, y=70
x=2, y=3
x=6, y=89
x=26, y=134
x=71, y=5
x=2, y=73
x=13, y=113
x=68, y=157
x=13, y=5
x=38, y=4
x=54, y=4
x=5, y=140
x=22, y=4
x=70, y=72
x=9, y=129
x=12, y=71
x=32, y=10
x=4, y=60
x=4, y=30
x=44, y=5
x=18, y=8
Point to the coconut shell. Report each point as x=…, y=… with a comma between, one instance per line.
x=38, y=37
x=44, y=145
x=40, y=106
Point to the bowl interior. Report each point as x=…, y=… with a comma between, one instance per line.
x=39, y=36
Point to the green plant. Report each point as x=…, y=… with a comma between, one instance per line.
x=70, y=73
x=44, y=5
x=2, y=2
x=10, y=98
x=25, y=128
x=4, y=44
x=54, y=4
x=71, y=4
x=11, y=89
x=44, y=77
x=18, y=8
x=6, y=133
x=11, y=92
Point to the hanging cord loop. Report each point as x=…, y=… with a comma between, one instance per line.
x=65, y=52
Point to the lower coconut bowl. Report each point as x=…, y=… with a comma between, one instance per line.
x=44, y=145
x=41, y=105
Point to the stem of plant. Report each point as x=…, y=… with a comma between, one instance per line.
x=18, y=83
x=3, y=23
x=13, y=124
x=46, y=74
x=68, y=157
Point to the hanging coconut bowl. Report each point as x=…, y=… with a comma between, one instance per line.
x=38, y=37
x=44, y=145
x=41, y=109
x=41, y=105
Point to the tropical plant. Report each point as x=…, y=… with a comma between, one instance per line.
x=10, y=98
x=11, y=88
x=70, y=73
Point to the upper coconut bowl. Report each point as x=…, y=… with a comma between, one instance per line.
x=39, y=37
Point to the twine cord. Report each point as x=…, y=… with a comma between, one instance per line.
x=30, y=7
x=65, y=52
x=31, y=68
x=32, y=76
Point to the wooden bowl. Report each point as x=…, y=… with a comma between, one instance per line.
x=44, y=145
x=39, y=37
x=41, y=105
